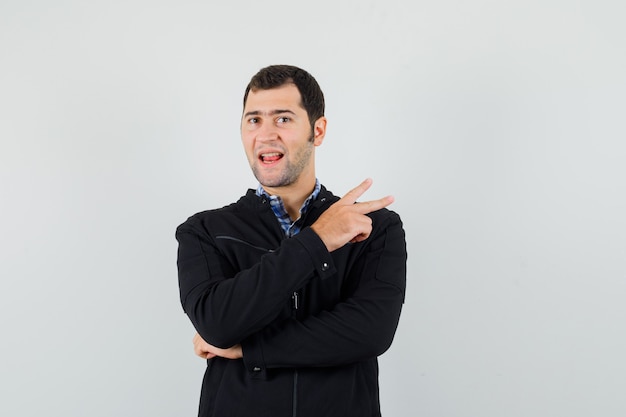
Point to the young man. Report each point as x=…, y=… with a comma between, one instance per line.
x=293, y=292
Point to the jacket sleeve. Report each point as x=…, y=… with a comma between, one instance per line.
x=226, y=306
x=358, y=328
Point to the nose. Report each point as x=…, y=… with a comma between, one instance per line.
x=267, y=132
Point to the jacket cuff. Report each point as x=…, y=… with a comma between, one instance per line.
x=253, y=357
x=321, y=258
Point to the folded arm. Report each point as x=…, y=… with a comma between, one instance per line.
x=358, y=328
x=226, y=307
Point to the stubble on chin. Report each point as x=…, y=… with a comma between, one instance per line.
x=283, y=179
x=290, y=173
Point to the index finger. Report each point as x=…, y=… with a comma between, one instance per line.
x=373, y=205
x=352, y=195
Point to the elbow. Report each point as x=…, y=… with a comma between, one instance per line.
x=382, y=344
x=385, y=331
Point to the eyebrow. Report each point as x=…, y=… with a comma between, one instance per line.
x=271, y=113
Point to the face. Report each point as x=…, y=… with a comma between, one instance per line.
x=278, y=138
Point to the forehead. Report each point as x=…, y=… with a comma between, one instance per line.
x=285, y=97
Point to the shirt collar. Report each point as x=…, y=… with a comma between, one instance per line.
x=289, y=225
x=260, y=191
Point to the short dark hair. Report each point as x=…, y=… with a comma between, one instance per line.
x=276, y=76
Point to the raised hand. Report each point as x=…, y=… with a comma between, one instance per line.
x=346, y=220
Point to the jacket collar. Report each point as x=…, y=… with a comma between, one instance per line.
x=253, y=201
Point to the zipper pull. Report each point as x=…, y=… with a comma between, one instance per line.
x=296, y=300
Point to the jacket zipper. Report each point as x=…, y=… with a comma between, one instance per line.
x=295, y=395
x=296, y=304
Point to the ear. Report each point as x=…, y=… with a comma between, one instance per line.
x=319, y=131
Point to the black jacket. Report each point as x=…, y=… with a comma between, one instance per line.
x=311, y=323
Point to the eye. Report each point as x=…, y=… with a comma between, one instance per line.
x=283, y=119
x=253, y=120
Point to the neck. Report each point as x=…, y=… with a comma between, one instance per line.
x=293, y=196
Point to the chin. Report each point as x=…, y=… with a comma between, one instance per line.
x=275, y=184
x=272, y=181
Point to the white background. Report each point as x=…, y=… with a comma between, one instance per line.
x=499, y=126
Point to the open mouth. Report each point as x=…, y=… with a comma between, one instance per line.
x=270, y=157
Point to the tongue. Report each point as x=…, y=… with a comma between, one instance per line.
x=273, y=158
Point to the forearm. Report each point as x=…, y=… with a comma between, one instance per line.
x=353, y=331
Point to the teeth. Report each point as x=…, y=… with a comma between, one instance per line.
x=269, y=155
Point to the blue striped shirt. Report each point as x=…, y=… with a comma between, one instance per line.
x=290, y=227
